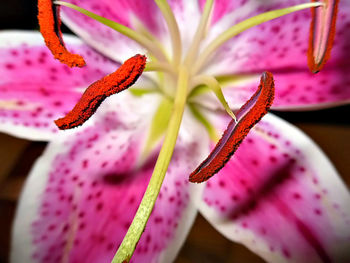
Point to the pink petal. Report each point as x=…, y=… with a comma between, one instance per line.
x=103, y=38
x=123, y=11
x=36, y=89
x=223, y=9
x=281, y=197
x=117, y=46
x=227, y=13
x=280, y=46
x=84, y=191
x=220, y=8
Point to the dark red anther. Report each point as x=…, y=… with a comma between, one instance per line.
x=50, y=28
x=248, y=115
x=322, y=32
x=121, y=79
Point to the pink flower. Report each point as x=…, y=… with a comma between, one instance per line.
x=279, y=194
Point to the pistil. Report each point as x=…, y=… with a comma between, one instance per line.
x=139, y=222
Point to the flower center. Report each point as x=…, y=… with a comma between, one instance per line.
x=197, y=57
x=179, y=77
x=167, y=66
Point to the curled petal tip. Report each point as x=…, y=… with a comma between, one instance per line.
x=94, y=95
x=248, y=115
x=322, y=32
x=50, y=28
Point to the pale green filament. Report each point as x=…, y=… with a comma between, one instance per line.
x=213, y=134
x=214, y=85
x=139, y=222
x=230, y=80
x=139, y=91
x=244, y=25
x=200, y=34
x=159, y=66
x=137, y=37
x=173, y=30
x=236, y=79
x=144, y=31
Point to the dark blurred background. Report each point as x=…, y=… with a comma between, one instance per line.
x=329, y=128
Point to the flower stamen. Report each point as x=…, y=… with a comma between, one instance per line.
x=173, y=30
x=160, y=66
x=248, y=115
x=200, y=33
x=127, y=247
x=322, y=32
x=94, y=95
x=214, y=85
x=50, y=28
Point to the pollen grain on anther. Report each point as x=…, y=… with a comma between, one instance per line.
x=125, y=76
x=248, y=115
x=50, y=28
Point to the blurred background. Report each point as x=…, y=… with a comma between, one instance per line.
x=330, y=129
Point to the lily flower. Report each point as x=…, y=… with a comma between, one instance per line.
x=279, y=194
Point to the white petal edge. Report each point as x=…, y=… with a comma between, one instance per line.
x=32, y=191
